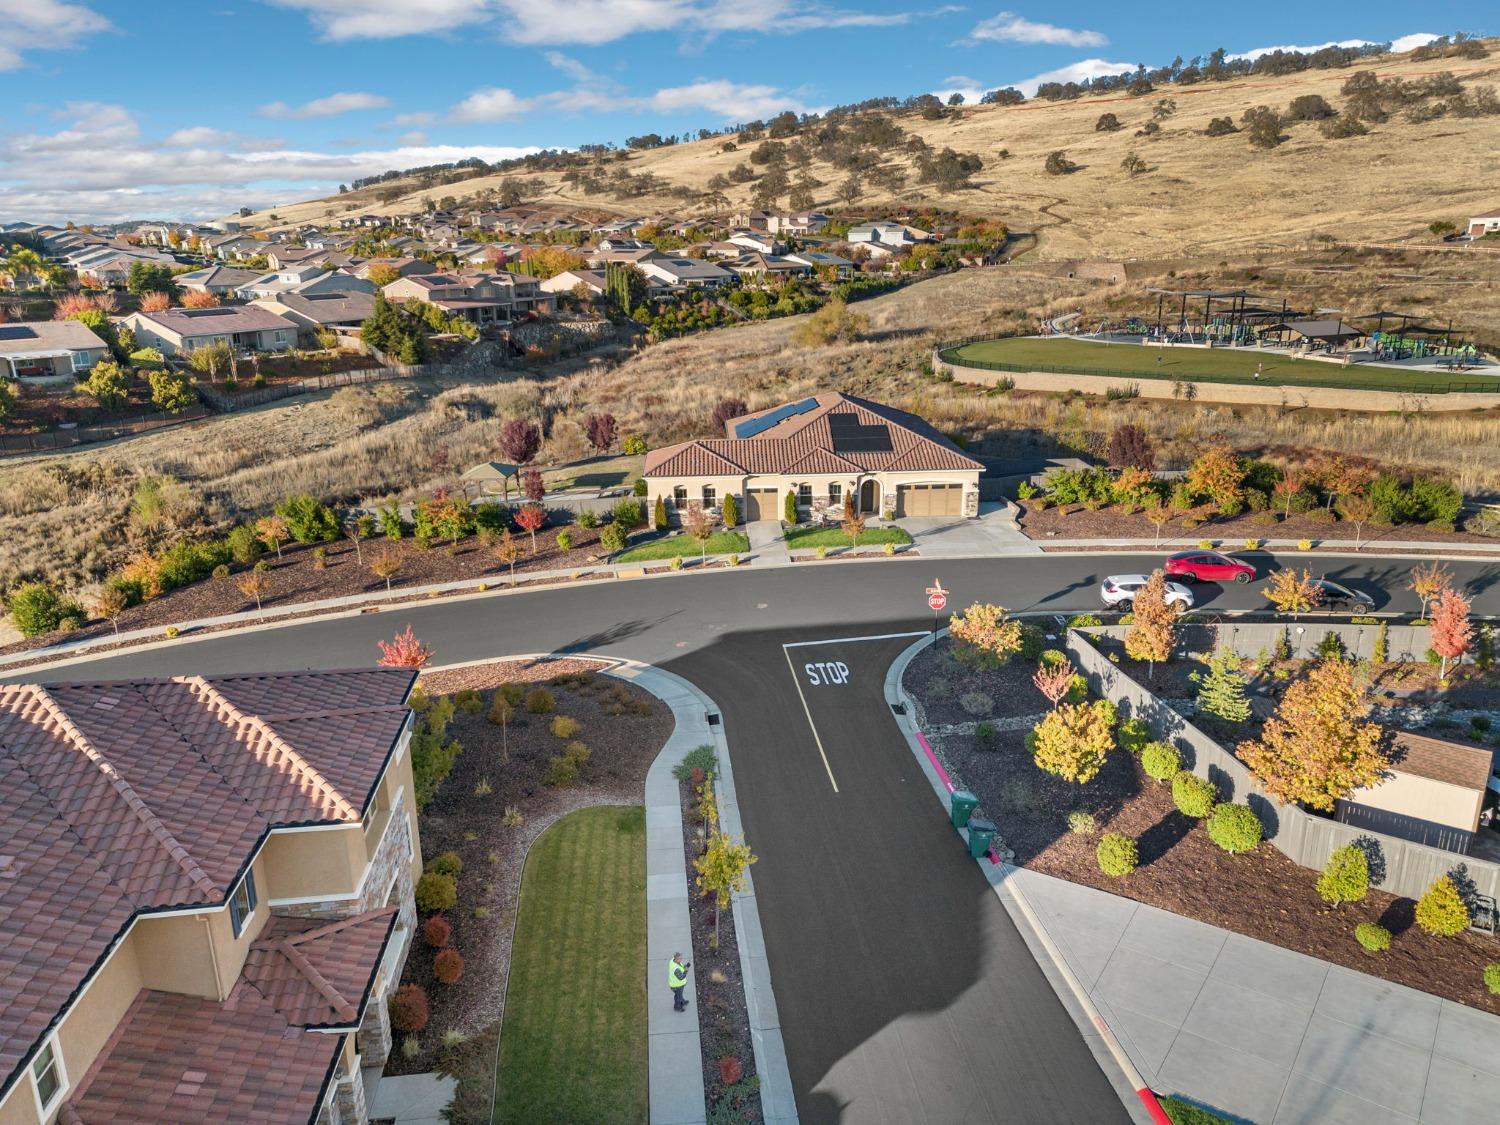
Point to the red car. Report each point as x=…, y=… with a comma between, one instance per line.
x=1208, y=566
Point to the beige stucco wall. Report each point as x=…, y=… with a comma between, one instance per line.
x=19, y=1106
x=1318, y=398
x=313, y=861
x=1436, y=801
x=784, y=483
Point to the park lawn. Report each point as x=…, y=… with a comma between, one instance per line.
x=800, y=538
x=1216, y=365
x=595, y=472
x=573, y=1044
x=721, y=543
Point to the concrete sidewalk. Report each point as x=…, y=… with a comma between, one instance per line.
x=1264, y=1033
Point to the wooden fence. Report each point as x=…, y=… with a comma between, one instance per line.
x=229, y=403
x=15, y=445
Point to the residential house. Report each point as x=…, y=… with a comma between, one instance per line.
x=755, y=242
x=751, y=220
x=245, y=328
x=569, y=280
x=1481, y=225
x=597, y=259
x=208, y=896
x=767, y=267
x=222, y=281
x=285, y=257
x=684, y=274
x=821, y=260
x=822, y=449
x=311, y=312
x=239, y=246
x=309, y=278
x=405, y=267
x=1432, y=792
x=48, y=351
x=888, y=234
x=609, y=245
x=797, y=223
x=480, y=298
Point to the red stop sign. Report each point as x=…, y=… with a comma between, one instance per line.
x=937, y=600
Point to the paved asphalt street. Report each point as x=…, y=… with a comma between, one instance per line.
x=906, y=994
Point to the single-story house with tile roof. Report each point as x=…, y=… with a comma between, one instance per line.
x=1432, y=793
x=1481, y=225
x=313, y=311
x=685, y=273
x=208, y=895
x=43, y=351
x=243, y=327
x=823, y=449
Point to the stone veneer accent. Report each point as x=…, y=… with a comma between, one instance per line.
x=349, y=1096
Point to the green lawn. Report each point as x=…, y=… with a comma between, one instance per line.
x=1185, y=1113
x=1209, y=365
x=594, y=472
x=802, y=538
x=722, y=543
x=573, y=1045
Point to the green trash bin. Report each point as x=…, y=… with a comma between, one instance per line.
x=962, y=807
x=981, y=835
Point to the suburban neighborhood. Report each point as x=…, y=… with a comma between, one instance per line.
x=554, y=572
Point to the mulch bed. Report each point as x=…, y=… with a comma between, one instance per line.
x=1074, y=521
x=41, y=408
x=723, y=1021
x=1261, y=894
x=624, y=727
x=945, y=682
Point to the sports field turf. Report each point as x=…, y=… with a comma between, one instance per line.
x=1216, y=365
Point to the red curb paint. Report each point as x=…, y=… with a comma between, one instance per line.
x=1153, y=1107
x=937, y=765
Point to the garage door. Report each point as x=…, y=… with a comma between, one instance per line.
x=929, y=499
x=760, y=504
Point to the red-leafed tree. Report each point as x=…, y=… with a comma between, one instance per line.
x=520, y=440
x=532, y=486
x=1053, y=681
x=531, y=519
x=601, y=431
x=726, y=409
x=1452, y=631
x=404, y=651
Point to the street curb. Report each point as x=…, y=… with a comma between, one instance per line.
x=1141, y=1102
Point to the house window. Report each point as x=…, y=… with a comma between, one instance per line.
x=47, y=1072
x=679, y=496
x=242, y=903
x=835, y=494
x=804, y=496
x=710, y=496
x=80, y=360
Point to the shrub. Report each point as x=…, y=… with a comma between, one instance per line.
x=1053, y=657
x=512, y=817
x=1117, y=854
x=563, y=726
x=1235, y=828
x=221, y=571
x=701, y=758
x=561, y=771
x=627, y=513
x=1345, y=877
x=612, y=537
x=436, y=892
x=446, y=864
x=1081, y=823
x=448, y=966
x=436, y=931
x=588, y=518
x=730, y=1070
x=985, y=732
x=539, y=701
x=1160, y=760
x=564, y=540
x=1375, y=938
x=1492, y=976
x=244, y=545
x=985, y=637
x=1134, y=735
x=408, y=1008
x=37, y=608
x=730, y=509
x=308, y=520
x=633, y=445
x=1194, y=796
x=976, y=703
x=1304, y=545
x=1441, y=911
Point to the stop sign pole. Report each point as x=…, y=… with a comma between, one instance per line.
x=937, y=601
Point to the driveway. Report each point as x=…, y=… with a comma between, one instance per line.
x=766, y=542
x=993, y=533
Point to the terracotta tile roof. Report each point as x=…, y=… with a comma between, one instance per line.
x=318, y=974
x=1453, y=762
x=804, y=443
x=186, y=1059
x=119, y=798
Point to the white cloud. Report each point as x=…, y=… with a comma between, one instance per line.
x=197, y=136
x=401, y=120
x=1412, y=42
x=493, y=104
x=729, y=101
x=1073, y=72
x=1007, y=27
x=43, y=25
x=569, y=66
x=331, y=106
x=98, y=167
x=415, y=137
x=386, y=19
x=732, y=101
x=1404, y=43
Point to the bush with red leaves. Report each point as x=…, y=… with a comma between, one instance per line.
x=436, y=931
x=730, y=1070
x=448, y=966
x=409, y=1008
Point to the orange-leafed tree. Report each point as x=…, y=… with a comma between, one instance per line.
x=1074, y=740
x=198, y=299
x=1218, y=474
x=1291, y=483
x=1427, y=582
x=253, y=583
x=1293, y=593
x=1318, y=746
x=1153, y=629
x=1452, y=631
x=531, y=518
x=155, y=301
x=404, y=651
x=1053, y=681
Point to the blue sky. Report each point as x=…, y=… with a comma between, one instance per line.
x=127, y=108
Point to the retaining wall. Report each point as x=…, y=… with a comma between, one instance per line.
x=1397, y=866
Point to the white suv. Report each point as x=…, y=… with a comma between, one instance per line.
x=1118, y=592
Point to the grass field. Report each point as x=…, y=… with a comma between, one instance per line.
x=1216, y=365
x=573, y=1045
x=801, y=538
x=722, y=543
x=594, y=472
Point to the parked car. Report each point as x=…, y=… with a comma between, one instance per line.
x=1341, y=599
x=1208, y=566
x=1118, y=592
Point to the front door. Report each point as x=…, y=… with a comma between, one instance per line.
x=869, y=497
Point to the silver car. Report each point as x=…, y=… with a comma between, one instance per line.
x=1118, y=592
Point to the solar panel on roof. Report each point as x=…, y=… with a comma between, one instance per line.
x=198, y=314
x=17, y=332
x=752, y=426
x=862, y=439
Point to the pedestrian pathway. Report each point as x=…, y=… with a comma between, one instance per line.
x=766, y=542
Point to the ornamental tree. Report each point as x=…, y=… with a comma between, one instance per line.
x=1054, y=681
x=507, y=551
x=1073, y=740
x=520, y=440
x=1357, y=509
x=853, y=526
x=1441, y=911
x=984, y=637
x=273, y=532
x=601, y=431
x=1290, y=484
x=531, y=518
x=1154, y=627
x=1292, y=593
x=700, y=526
x=532, y=486
x=252, y=583
x=1221, y=690
x=404, y=651
x=1159, y=514
x=1345, y=877
x=1427, y=582
x=1452, y=631
x=1219, y=475
x=721, y=870
x=1318, y=746
x=386, y=565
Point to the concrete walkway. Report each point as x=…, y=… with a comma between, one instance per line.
x=766, y=542
x=412, y=1099
x=675, y=1079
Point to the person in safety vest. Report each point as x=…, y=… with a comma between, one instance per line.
x=677, y=971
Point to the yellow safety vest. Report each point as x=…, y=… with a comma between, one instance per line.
x=676, y=974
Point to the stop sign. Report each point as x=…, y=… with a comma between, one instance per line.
x=937, y=600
